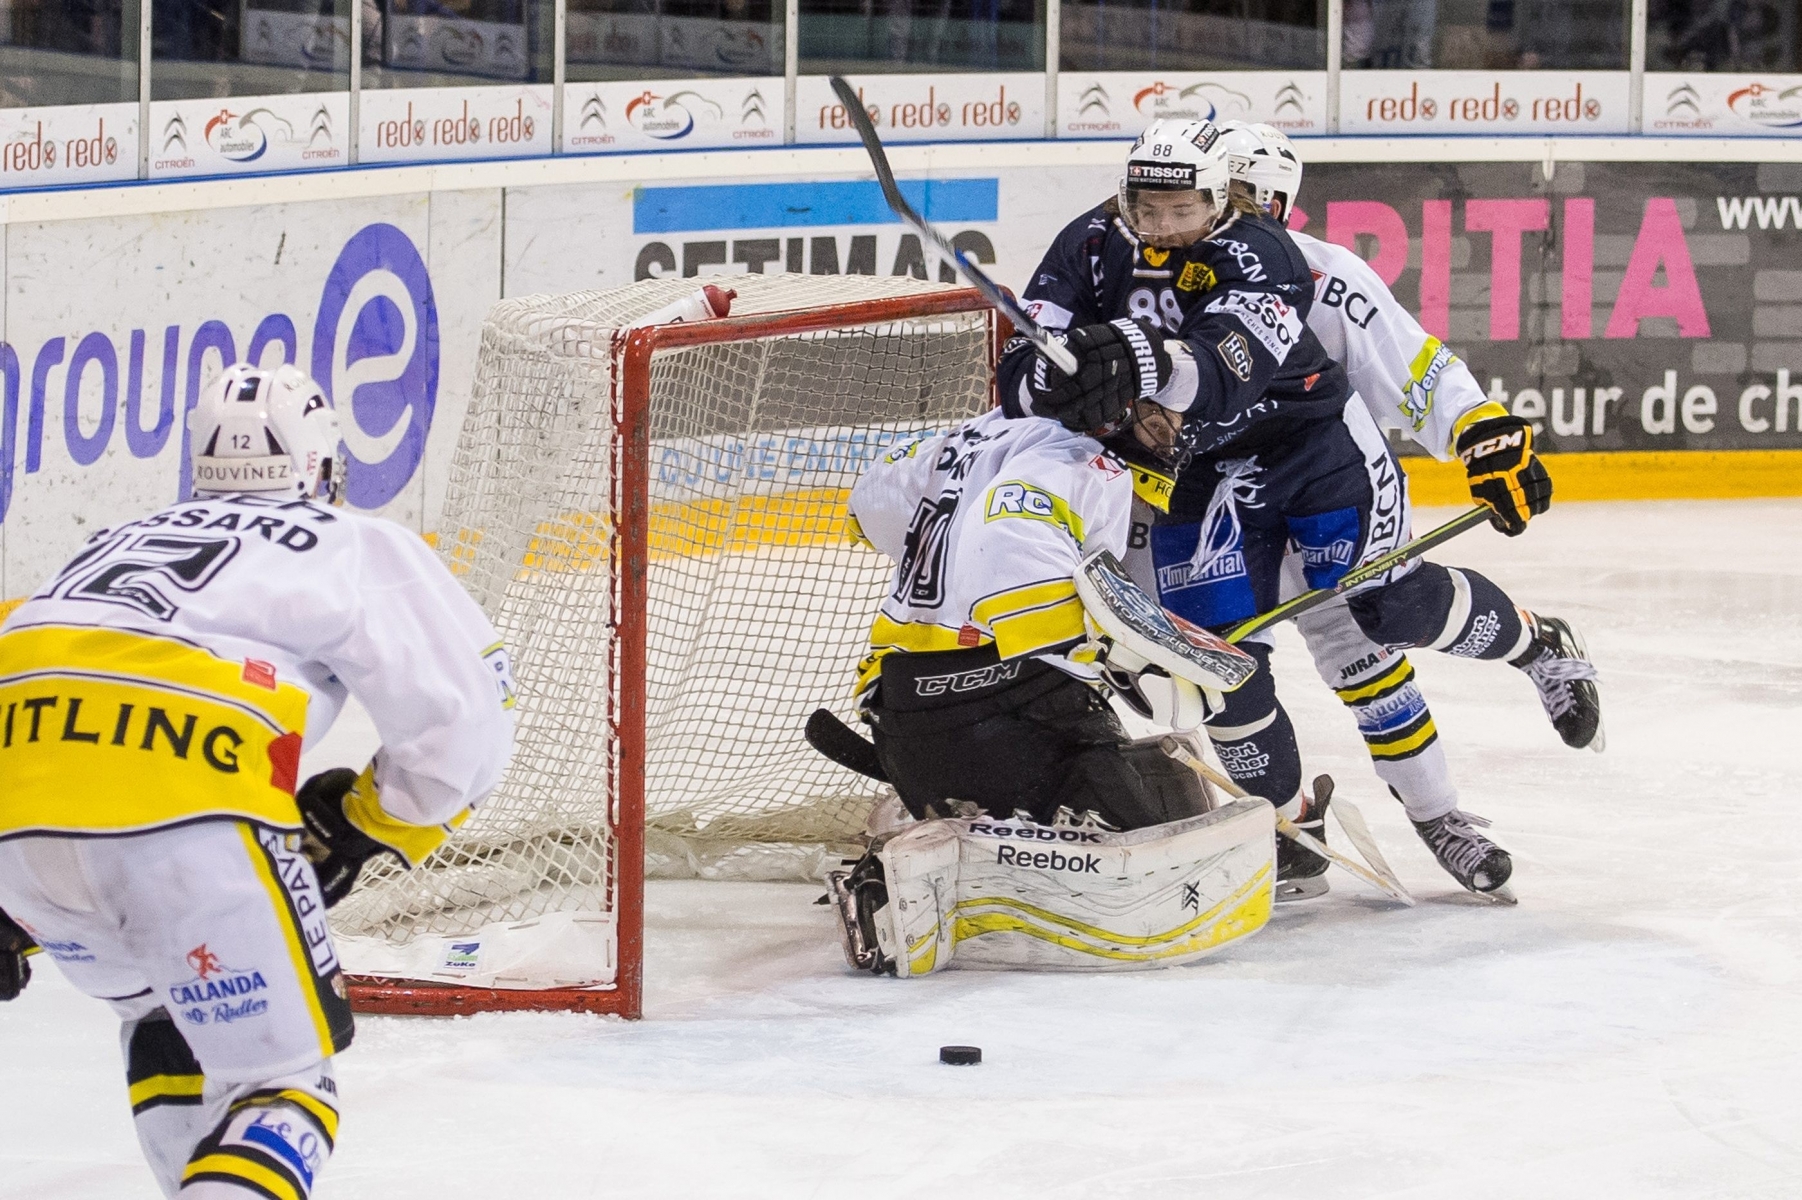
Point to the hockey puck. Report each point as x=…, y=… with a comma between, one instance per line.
x=960, y=1056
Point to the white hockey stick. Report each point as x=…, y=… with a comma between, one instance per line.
x=1384, y=880
x=994, y=293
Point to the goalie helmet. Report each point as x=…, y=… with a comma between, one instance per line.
x=1263, y=161
x=256, y=430
x=1175, y=188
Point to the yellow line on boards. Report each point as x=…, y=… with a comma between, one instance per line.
x=1632, y=475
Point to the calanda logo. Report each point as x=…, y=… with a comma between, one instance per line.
x=1764, y=104
x=217, y=994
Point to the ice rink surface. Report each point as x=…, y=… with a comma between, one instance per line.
x=1630, y=1030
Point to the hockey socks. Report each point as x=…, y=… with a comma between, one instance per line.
x=1403, y=742
x=1254, y=738
x=1450, y=609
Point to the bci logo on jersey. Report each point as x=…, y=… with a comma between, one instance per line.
x=375, y=350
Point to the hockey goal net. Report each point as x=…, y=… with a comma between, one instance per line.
x=654, y=518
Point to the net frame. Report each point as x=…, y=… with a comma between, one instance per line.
x=628, y=545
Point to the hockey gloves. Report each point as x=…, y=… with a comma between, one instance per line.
x=1116, y=363
x=346, y=826
x=15, y=970
x=1504, y=472
x=336, y=848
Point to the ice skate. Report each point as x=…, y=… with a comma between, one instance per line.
x=1558, y=664
x=1301, y=874
x=1472, y=859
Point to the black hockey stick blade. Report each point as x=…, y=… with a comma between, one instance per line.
x=839, y=742
x=1308, y=601
x=993, y=292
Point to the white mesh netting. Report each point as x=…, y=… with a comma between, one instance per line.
x=759, y=605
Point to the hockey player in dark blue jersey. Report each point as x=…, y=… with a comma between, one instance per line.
x=1174, y=292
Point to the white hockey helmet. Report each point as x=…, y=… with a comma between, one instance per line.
x=1175, y=188
x=1263, y=162
x=256, y=430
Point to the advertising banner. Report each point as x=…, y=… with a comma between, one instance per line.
x=1459, y=102
x=1620, y=306
x=1711, y=105
x=689, y=44
x=681, y=114
x=249, y=134
x=925, y=108
x=68, y=145
x=426, y=124
x=104, y=350
x=1112, y=104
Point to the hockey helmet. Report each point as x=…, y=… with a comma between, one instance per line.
x=257, y=430
x=1264, y=165
x=1175, y=188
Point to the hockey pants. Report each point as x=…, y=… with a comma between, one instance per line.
x=209, y=942
x=1034, y=741
x=1331, y=499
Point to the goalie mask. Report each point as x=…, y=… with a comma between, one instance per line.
x=1264, y=166
x=1175, y=188
x=266, y=431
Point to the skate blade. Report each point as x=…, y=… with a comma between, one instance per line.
x=1503, y=895
x=1291, y=890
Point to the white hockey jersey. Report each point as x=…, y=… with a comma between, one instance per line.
x=987, y=524
x=172, y=671
x=1407, y=377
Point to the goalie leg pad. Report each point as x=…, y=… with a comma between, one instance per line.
x=1013, y=894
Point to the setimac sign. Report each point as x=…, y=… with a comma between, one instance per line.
x=1452, y=102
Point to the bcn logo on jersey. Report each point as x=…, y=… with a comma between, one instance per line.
x=1019, y=499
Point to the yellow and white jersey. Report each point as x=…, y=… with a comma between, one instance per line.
x=1407, y=377
x=987, y=524
x=173, y=670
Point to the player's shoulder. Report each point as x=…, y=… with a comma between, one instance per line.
x=1089, y=230
x=1330, y=258
x=1252, y=248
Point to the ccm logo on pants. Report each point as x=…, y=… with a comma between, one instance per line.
x=1048, y=860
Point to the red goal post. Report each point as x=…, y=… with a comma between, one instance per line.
x=719, y=533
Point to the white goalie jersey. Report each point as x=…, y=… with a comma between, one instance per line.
x=173, y=670
x=1407, y=377
x=987, y=524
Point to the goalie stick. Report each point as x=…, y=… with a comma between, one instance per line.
x=844, y=746
x=1004, y=303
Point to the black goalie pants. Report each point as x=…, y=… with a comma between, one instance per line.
x=1017, y=736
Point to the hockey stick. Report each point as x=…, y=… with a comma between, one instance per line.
x=996, y=295
x=1308, y=601
x=1384, y=881
x=843, y=745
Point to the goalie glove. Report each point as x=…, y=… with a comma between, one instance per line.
x=346, y=826
x=1503, y=471
x=15, y=968
x=1116, y=363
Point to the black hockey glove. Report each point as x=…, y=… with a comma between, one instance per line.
x=336, y=848
x=1116, y=363
x=15, y=969
x=1504, y=472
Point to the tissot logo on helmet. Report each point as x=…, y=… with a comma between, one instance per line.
x=1141, y=174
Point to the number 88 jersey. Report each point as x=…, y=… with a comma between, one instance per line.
x=173, y=670
x=1238, y=300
